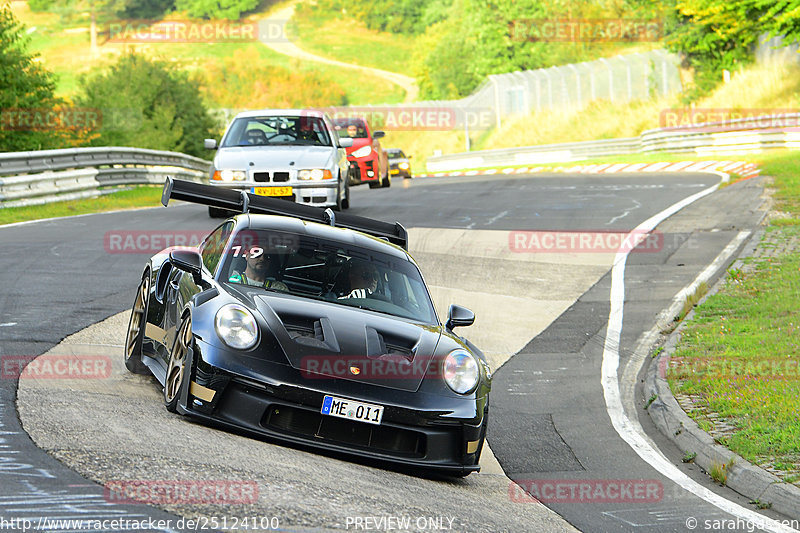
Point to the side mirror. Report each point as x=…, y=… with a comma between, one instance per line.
x=409, y=156
x=187, y=260
x=209, y=144
x=459, y=316
x=378, y=134
x=345, y=142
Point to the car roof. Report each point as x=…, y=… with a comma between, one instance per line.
x=281, y=113
x=313, y=229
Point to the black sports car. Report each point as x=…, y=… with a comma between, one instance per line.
x=310, y=327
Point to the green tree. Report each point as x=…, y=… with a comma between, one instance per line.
x=24, y=87
x=148, y=104
x=780, y=17
x=216, y=9
x=714, y=35
x=475, y=40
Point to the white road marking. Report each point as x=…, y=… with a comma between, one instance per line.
x=496, y=218
x=611, y=389
x=7, y=324
x=635, y=361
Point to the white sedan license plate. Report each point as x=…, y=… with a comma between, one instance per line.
x=352, y=410
x=272, y=191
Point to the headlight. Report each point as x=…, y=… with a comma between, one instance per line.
x=404, y=166
x=461, y=371
x=236, y=326
x=230, y=175
x=315, y=174
x=364, y=151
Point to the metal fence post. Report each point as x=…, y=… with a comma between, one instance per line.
x=496, y=100
x=577, y=84
x=610, y=79
x=630, y=79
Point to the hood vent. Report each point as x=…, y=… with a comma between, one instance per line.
x=382, y=344
x=308, y=331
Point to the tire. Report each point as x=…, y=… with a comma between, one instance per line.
x=176, y=368
x=387, y=181
x=346, y=200
x=215, y=212
x=135, y=336
x=374, y=185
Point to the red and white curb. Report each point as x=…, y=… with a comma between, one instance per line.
x=743, y=168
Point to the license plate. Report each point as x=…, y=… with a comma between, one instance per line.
x=394, y=171
x=352, y=410
x=272, y=191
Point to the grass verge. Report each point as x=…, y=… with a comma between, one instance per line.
x=144, y=196
x=738, y=356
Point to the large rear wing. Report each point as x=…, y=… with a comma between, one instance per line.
x=245, y=202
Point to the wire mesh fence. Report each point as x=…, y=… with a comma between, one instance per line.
x=621, y=78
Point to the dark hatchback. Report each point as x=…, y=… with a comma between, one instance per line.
x=399, y=164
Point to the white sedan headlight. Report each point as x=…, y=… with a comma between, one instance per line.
x=403, y=165
x=230, y=175
x=364, y=151
x=236, y=326
x=461, y=371
x=315, y=174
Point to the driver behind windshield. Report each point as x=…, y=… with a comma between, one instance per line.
x=257, y=271
x=363, y=279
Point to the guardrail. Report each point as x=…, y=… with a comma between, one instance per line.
x=45, y=176
x=737, y=137
x=547, y=153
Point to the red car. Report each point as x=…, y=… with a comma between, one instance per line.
x=368, y=161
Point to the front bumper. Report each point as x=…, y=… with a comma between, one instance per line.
x=367, y=167
x=399, y=172
x=417, y=430
x=317, y=193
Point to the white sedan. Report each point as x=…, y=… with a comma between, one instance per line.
x=294, y=154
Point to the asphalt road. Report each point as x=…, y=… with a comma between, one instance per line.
x=548, y=412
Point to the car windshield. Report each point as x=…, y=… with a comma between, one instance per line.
x=328, y=270
x=283, y=130
x=351, y=127
x=395, y=154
